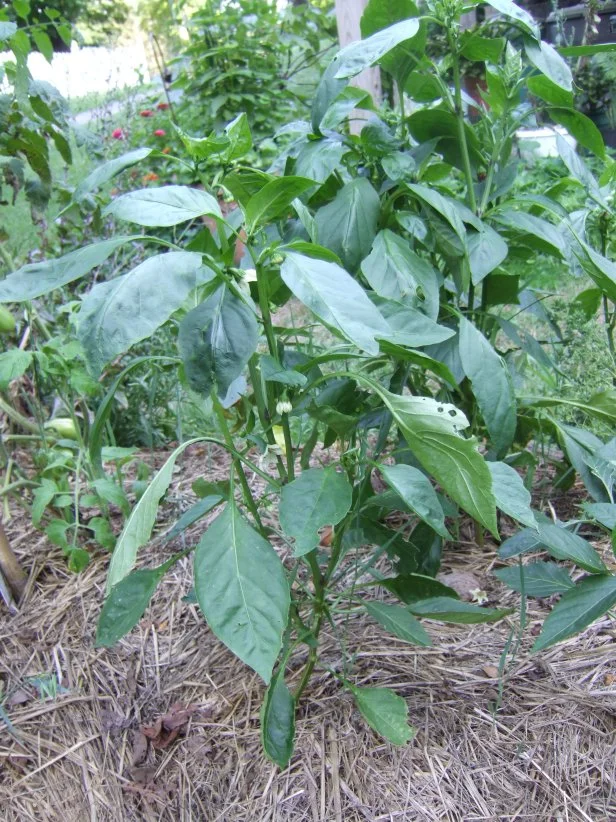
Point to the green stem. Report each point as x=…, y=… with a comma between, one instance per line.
x=459, y=112
x=239, y=468
x=19, y=419
x=288, y=445
x=263, y=413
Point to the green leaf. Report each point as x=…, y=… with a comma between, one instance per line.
x=492, y=385
x=163, y=206
x=119, y=313
x=43, y=44
x=602, y=512
x=240, y=138
x=336, y=299
x=138, y=529
x=126, y=603
x=13, y=364
x=357, y=56
x=272, y=371
x=581, y=127
x=577, y=609
x=586, y=51
x=36, y=279
x=563, y=544
x=509, y=9
x=444, y=206
x=577, y=168
x=432, y=430
x=216, y=340
x=394, y=271
x=542, y=87
x=7, y=30
x=416, y=490
x=41, y=498
x=548, y=61
x=511, y=494
x=486, y=251
x=601, y=270
x=482, y=49
x=411, y=588
x=410, y=327
x=274, y=200
x=320, y=496
x=194, y=514
x=537, y=579
x=445, y=609
x=112, y=492
x=107, y=171
x=200, y=148
x=347, y=225
x=278, y=721
x=385, y=712
x=242, y=590
x=399, y=622
x=544, y=235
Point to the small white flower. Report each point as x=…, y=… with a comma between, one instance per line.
x=479, y=596
x=250, y=275
x=283, y=407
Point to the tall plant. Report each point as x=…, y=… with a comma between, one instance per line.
x=396, y=242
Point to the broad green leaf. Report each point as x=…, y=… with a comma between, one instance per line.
x=492, y=385
x=482, y=49
x=509, y=9
x=601, y=270
x=354, y=58
x=278, y=721
x=240, y=138
x=385, y=712
x=242, y=590
x=538, y=579
x=13, y=364
x=163, y=206
x=394, y=271
x=431, y=429
x=486, y=251
x=125, y=604
x=602, y=512
x=548, y=61
x=336, y=299
x=444, y=206
x=320, y=496
x=377, y=16
x=399, y=622
x=320, y=158
x=216, y=339
x=347, y=225
x=346, y=102
x=542, y=87
x=581, y=127
x=36, y=279
x=327, y=92
x=601, y=405
x=112, y=492
x=545, y=236
x=138, y=529
x=520, y=543
x=194, y=514
x=411, y=588
x=586, y=51
x=109, y=170
x=511, y=494
x=563, y=544
x=41, y=498
x=445, y=609
x=578, y=168
x=272, y=371
x=7, y=30
x=410, y=327
x=416, y=490
x=118, y=313
x=577, y=609
x=43, y=44
x=274, y=200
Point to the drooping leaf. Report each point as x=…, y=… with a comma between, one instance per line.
x=486, y=251
x=416, y=490
x=216, y=339
x=511, y=494
x=107, y=171
x=577, y=609
x=36, y=279
x=563, y=544
x=320, y=496
x=278, y=721
x=395, y=272
x=336, y=298
x=411, y=588
x=240, y=138
x=581, y=128
x=533, y=230
x=138, y=529
x=347, y=225
x=163, y=206
x=598, y=268
x=492, y=385
x=274, y=199
x=445, y=609
x=13, y=364
x=386, y=713
x=548, y=61
x=271, y=371
x=354, y=58
x=119, y=313
x=399, y=622
x=538, y=579
x=126, y=603
x=444, y=206
x=242, y=590
x=521, y=16
x=379, y=15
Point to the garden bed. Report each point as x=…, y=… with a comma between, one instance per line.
x=165, y=726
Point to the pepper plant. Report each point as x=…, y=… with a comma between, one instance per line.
x=401, y=367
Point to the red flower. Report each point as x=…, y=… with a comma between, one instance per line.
x=117, y=134
x=150, y=178
x=147, y=112
x=160, y=132
x=162, y=106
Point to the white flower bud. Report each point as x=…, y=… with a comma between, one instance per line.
x=283, y=407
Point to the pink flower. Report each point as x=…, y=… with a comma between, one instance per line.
x=160, y=132
x=117, y=134
x=147, y=112
x=162, y=106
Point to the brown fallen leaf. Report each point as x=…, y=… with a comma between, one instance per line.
x=166, y=729
x=140, y=747
x=490, y=671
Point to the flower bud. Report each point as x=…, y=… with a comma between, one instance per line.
x=283, y=407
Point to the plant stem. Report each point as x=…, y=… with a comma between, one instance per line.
x=19, y=419
x=263, y=413
x=239, y=468
x=459, y=112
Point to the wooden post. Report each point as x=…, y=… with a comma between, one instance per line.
x=348, y=15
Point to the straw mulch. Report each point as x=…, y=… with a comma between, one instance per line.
x=166, y=725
